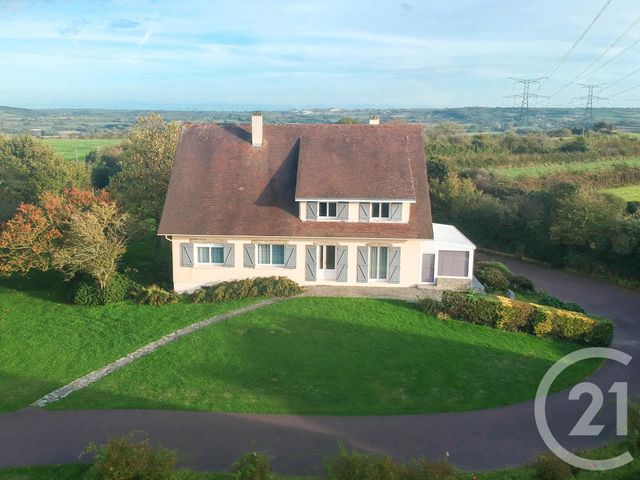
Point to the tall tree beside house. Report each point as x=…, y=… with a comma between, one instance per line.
x=28, y=168
x=140, y=187
x=76, y=232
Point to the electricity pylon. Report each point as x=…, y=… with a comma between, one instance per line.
x=527, y=95
x=589, y=98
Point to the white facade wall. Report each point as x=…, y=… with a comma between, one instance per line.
x=190, y=278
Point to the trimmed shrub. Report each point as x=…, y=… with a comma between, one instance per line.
x=123, y=458
x=550, y=467
x=359, y=466
x=430, y=306
x=495, y=276
x=471, y=307
x=514, y=315
x=84, y=291
x=253, y=466
x=520, y=283
x=574, y=326
x=155, y=295
x=249, y=287
x=602, y=334
x=551, y=301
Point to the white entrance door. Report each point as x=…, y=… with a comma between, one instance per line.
x=326, y=262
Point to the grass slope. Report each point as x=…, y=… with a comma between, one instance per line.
x=335, y=356
x=45, y=343
x=67, y=146
x=630, y=193
x=573, y=167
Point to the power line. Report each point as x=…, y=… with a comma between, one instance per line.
x=625, y=91
x=589, y=98
x=564, y=58
x=618, y=55
x=602, y=54
x=526, y=96
x=621, y=79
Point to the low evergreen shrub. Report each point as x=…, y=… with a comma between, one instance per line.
x=551, y=301
x=253, y=466
x=124, y=458
x=360, y=466
x=514, y=315
x=83, y=290
x=550, y=467
x=430, y=306
x=495, y=276
x=520, y=283
x=155, y=295
x=471, y=307
x=249, y=287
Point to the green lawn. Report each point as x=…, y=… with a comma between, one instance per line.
x=338, y=356
x=573, y=167
x=77, y=148
x=630, y=193
x=46, y=343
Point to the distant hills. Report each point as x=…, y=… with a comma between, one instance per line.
x=98, y=122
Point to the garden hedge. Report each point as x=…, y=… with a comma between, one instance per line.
x=517, y=316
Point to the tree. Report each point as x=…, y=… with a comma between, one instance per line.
x=93, y=243
x=141, y=186
x=104, y=164
x=28, y=168
x=348, y=121
x=76, y=232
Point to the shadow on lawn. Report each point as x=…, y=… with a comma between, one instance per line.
x=272, y=362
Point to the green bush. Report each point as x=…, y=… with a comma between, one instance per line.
x=550, y=467
x=634, y=427
x=517, y=316
x=435, y=470
x=359, y=466
x=84, y=290
x=520, y=283
x=249, y=287
x=430, y=306
x=253, y=466
x=155, y=295
x=123, y=458
x=471, y=307
x=495, y=276
x=551, y=301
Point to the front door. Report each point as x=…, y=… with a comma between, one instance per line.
x=327, y=262
x=428, y=266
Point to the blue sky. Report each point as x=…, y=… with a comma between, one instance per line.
x=281, y=54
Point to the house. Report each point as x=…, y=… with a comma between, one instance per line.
x=321, y=204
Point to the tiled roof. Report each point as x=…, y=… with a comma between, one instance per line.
x=222, y=185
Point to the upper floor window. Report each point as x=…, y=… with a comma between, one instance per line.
x=380, y=210
x=270, y=254
x=327, y=209
x=211, y=254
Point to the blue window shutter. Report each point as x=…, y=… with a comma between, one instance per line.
x=289, y=256
x=395, y=211
x=363, y=265
x=342, y=264
x=312, y=210
x=186, y=254
x=342, y=211
x=310, y=263
x=365, y=208
x=249, y=255
x=393, y=265
x=229, y=254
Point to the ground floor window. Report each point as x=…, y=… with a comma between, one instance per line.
x=378, y=263
x=453, y=263
x=211, y=254
x=270, y=254
x=327, y=258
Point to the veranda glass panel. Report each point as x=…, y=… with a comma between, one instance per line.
x=373, y=263
x=331, y=257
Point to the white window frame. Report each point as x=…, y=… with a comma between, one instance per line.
x=386, y=266
x=379, y=216
x=209, y=246
x=270, y=263
x=328, y=216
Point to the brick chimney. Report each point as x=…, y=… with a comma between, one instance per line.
x=375, y=120
x=256, y=129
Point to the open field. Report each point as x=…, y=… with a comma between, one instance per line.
x=574, y=167
x=335, y=356
x=47, y=343
x=630, y=193
x=77, y=148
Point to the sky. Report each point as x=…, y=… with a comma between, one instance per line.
x=280, y=54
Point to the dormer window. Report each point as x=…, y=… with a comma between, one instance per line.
x=380, y=210
x=327, y=209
